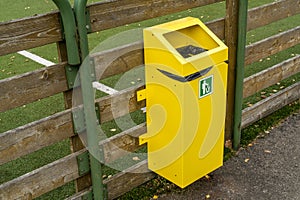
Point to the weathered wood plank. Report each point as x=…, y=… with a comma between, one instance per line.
x=217, y=27
x=121, y=144
x=120, y=103
x=266, y=14
x=31, y=86
x=128, y=179
x=42, y=180
x=272, y=45
x=34, y=136
x=118, y=60
x=29, y=33
x=271, y=76
x=114, y=13
x=269, y=105
x=80, y=195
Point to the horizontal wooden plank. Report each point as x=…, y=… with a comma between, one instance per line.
x=217, y=27
x=121, y=144
x=42, y=180
x=34, y=136
x=118, y=60
x=271, y=76
x=272, y=45
x=269, y=105
x=31, y=86
x=266, y=14
x=114, y=13
x=120, y=103
x=29, y=33
x=80, y=195
x=128, y=179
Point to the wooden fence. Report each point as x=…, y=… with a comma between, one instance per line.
x=29, y=87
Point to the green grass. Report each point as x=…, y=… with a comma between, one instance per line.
x=14, y=64
x=261, y=127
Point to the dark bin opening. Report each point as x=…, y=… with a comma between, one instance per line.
x=190, y=50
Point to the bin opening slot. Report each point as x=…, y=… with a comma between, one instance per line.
x=190, y=41
x=190, y=50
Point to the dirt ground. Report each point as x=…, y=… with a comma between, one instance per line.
x=269, y=169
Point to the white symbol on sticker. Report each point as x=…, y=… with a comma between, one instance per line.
x=205, y=87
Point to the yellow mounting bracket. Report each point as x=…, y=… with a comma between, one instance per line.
x=141, y=95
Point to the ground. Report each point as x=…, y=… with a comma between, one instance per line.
x=269, y=168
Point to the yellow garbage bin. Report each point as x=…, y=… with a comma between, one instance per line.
x=186, y=77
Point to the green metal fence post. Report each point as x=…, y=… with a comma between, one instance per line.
x=69, y=25
x=240, y=64
x=87, y=76
x=77, y=53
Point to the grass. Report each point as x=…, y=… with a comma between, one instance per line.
x=14, y=64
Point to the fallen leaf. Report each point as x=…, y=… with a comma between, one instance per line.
x=207, y=177
x=135, y=158
x=228, y=144
x=155, y=197
x=263, y=96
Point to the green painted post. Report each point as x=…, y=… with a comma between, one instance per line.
x=87, y=76
x=80, y=15
x=69, y=25
x=240, y=64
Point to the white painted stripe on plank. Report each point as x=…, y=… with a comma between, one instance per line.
x=104, y=88
x=36, y=58
x=47, y=63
